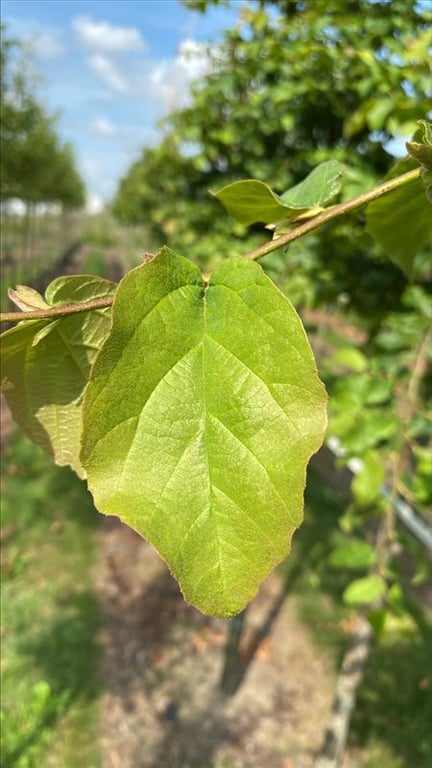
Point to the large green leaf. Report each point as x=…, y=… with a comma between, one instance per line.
x=46, y=364
x=202, y=410
x=252, y=201
x=401, y=221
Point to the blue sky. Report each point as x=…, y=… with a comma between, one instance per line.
x=112, y=69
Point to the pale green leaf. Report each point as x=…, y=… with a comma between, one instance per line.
x=357, y=120
x=27, y=299
x=364, y=591
x=253, y=201
x=351, y=358
x=72, y=289
x=421, y=152
x=352, y=554
x=46, y=364
x=377, y=618
x=203, y=408
x=421, y=146
x=367, y=483
x=318, y=188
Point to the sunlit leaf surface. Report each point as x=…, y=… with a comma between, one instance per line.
x=203, y=409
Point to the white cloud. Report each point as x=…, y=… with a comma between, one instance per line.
x=165, y=82
x=104, y=37
x=170, y=79
x=42, y=43
x=103, y=127
x=109, y=72
x=47, y=44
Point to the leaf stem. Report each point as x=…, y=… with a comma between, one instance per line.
x=61, y=311
x=332, y=213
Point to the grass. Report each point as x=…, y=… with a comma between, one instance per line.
x=50, y=616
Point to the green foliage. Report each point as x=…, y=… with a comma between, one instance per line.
x=203, y=405
x=422, y=149
x=35, y=167
x=394, y=707
x=291, y=86
x=353, y=554
x=364, y=591
x=389, y=228
x=368, y=482
x=202, y=411
x=51, y=361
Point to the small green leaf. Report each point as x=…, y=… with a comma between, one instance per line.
x=421, y=147
x=202, y=411
x=27, y=299
x=46, y=364
x=364, y=591
x=352, y=554
x=253, y=201
x=366, y=485
x=351, y=358
x=318, y=188
x=401, y=221
x=73, y=289
x=377, y=618
x=362, y=430
x=421, y=152
x=426, y=127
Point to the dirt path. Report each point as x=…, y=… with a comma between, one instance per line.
x=162, y=706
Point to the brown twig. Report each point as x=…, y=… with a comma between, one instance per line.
x=61, y=311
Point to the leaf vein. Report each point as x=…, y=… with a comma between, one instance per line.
x=263, y=318
x=254, y=456
x=254, y=373
x=70, y=350
x=247, y=515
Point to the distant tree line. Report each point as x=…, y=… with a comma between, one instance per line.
x=36, y=166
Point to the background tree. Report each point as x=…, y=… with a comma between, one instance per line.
x=35, y=166
x=291, y=85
